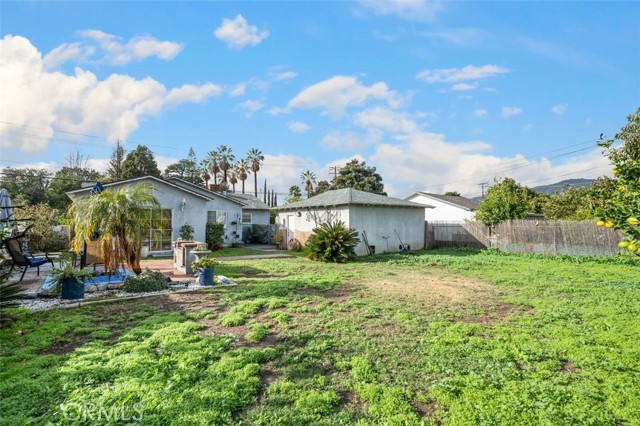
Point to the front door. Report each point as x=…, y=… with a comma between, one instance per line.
x=290, y=219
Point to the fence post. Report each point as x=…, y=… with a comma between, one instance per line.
x=426, y=235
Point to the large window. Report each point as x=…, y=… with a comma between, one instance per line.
x=158, y=232
x=217, y=216
x=246, y=218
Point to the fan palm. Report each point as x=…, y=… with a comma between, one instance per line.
x=225, y=154
x=233, y=178
x=256, y=158
x=242, y=171
x=308, y=179
x=118, y=216
x=212, y=164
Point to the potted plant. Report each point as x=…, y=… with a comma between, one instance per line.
x=70, y=281
x=206, y=266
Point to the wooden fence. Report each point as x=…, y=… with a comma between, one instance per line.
x=527, y=236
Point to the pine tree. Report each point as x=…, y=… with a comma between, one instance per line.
x=114, y=171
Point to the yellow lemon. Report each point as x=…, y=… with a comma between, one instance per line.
x=609, y=224
x=600, y=223
x=633, y=221
x=623, y=244
x=632, y=248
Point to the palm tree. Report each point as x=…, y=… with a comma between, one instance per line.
x=308, y=179
x=116, y=215
x=242, y=171
x=205, y=178
x=225, y=154
x=233, y=178
x=256, y=158
x=212, y=165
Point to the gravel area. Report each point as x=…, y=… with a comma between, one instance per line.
x=46, y=303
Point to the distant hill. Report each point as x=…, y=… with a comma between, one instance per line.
x=562, y=185
x=557, y=187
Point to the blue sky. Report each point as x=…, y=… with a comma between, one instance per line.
x=437, y=95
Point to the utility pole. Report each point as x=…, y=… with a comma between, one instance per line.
x=333, y=170
x=483, y=184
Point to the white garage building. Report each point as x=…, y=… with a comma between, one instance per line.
x=385, y=220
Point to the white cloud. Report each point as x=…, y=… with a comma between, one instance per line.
x=339, y=140
x=427, y=162
x=559, y=109
x=510, y=111
x=298, y=126
x=455, y=75
x=339, y=92
x=284, y=75
x=409, y=10
x=386, y=119
x=275, y=111
x=464, y=86
x=281, y=171
x=193, y=93
x=480, y=112
x=250, y=107
x=459, y=36
x=238, y=90
x=237, y=33
x=115, y=52
x=80, y=103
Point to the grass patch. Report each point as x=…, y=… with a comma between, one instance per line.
x=238, y=252
x=447, y=337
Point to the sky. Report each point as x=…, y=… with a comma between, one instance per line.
x=438, y=96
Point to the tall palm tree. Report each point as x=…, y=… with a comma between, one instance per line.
x=308, y=179
x=233, y=177
x=117, y=216
x=212, y=165
x=242, y=171
x=226, y=157
x=256, y=158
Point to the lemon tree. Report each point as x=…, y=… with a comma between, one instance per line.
x=623, y=210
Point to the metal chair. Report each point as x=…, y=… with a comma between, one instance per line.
x=22, y=258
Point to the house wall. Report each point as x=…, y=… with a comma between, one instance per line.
x=442, y=211
x=300, y=227
x=258, y=217
x=380, y=222
x=195, y=211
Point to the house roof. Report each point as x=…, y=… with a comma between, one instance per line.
x=250, y=202
x=349, y=197
x=87, y=189
x=462, y=202
x=176, y=183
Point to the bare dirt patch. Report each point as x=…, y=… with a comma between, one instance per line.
x=432, y=290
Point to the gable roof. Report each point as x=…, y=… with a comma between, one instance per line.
x=250, y=202
x=454, y=200
x=349, y=197
x=175, y=183
x=140, y=179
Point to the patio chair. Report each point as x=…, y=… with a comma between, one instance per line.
x=23, y=258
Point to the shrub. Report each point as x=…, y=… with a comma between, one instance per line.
x=332, y=242
x=148, y=280
x=42, y=237
x=214, y=235
x=186, y=232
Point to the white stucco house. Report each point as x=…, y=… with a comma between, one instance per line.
x=446, y=208
x=182, y=203
x=385, y=220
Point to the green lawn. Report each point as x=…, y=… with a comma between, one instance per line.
x=442, y=337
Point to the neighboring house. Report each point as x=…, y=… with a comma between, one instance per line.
x=182, y=203
x=447, y=208
x=254, y=211
x=385, y=220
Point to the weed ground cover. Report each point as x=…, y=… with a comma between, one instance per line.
x=443, y=337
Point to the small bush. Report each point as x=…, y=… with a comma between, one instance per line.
x=186, y=232
x=233, y=319
x=258, y=331
x=148, y=280
x=332, y=242
x=214, y=235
